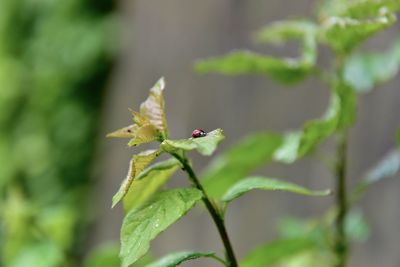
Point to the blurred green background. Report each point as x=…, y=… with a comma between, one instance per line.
x=58, y=172
x=55, y=57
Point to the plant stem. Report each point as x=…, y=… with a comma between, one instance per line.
x=214, y=212
x=341, y=242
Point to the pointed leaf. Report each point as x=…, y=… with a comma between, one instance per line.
x=153, y=108
x=287, y=70
x=148, y=182
x=140, y=226
x=244, y=157
x=272, y=253
x=269, y=184
x=137, y=164
x=204, y=145
x=126, y=132
x=364, y=70
x=177, y=258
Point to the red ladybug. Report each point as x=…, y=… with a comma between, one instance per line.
x=198, y=133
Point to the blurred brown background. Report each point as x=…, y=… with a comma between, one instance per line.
x=164, y=38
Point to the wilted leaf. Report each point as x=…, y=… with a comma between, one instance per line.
x=363, y=71
x=345, y=33
x=137, y=164
x=153, y=108
x=204, y=145
x=176, y=259
x=148, y=182
x=273, y=253
x=248, y=154
x=140, y=226
x=264, y=183
x=288, y=70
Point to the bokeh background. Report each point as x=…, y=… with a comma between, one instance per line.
x=69, y=70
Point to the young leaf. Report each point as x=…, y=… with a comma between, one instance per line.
x=263, y=183
x=137, y=164
x=344, y=33
x=177, y=258
x=272, y=253
x=148, y=182
x=140, y=226
x=153, y=108
x=204, y=145
x=248, y=154
x=287, y=70
x=364, y=70
x=138, y=134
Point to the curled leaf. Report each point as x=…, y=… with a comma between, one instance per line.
x=177, y=258
x=137, y=164
x=148, y=182
x=263, y=183
x=204, y=145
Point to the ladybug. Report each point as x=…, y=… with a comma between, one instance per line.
x=198, y=133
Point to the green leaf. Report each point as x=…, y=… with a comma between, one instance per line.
x=363, y=71
x=358, y=8
x=282, y=31
x=177, y=258
x=148, y=182
x=287, y=70
x=356, y=227
x=140, y=226
x=343, y=34
x=236, y=163
x=340, y=115
x=387, y=167
x=398, y=138
x=103, y=256
x=153, y=108
x=204, y=145
x=137, y=164
x=43, y=254
x=268, y=184
x=272, y=253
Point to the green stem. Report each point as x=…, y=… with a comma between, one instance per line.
x=213, y=210
x=341, y=242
